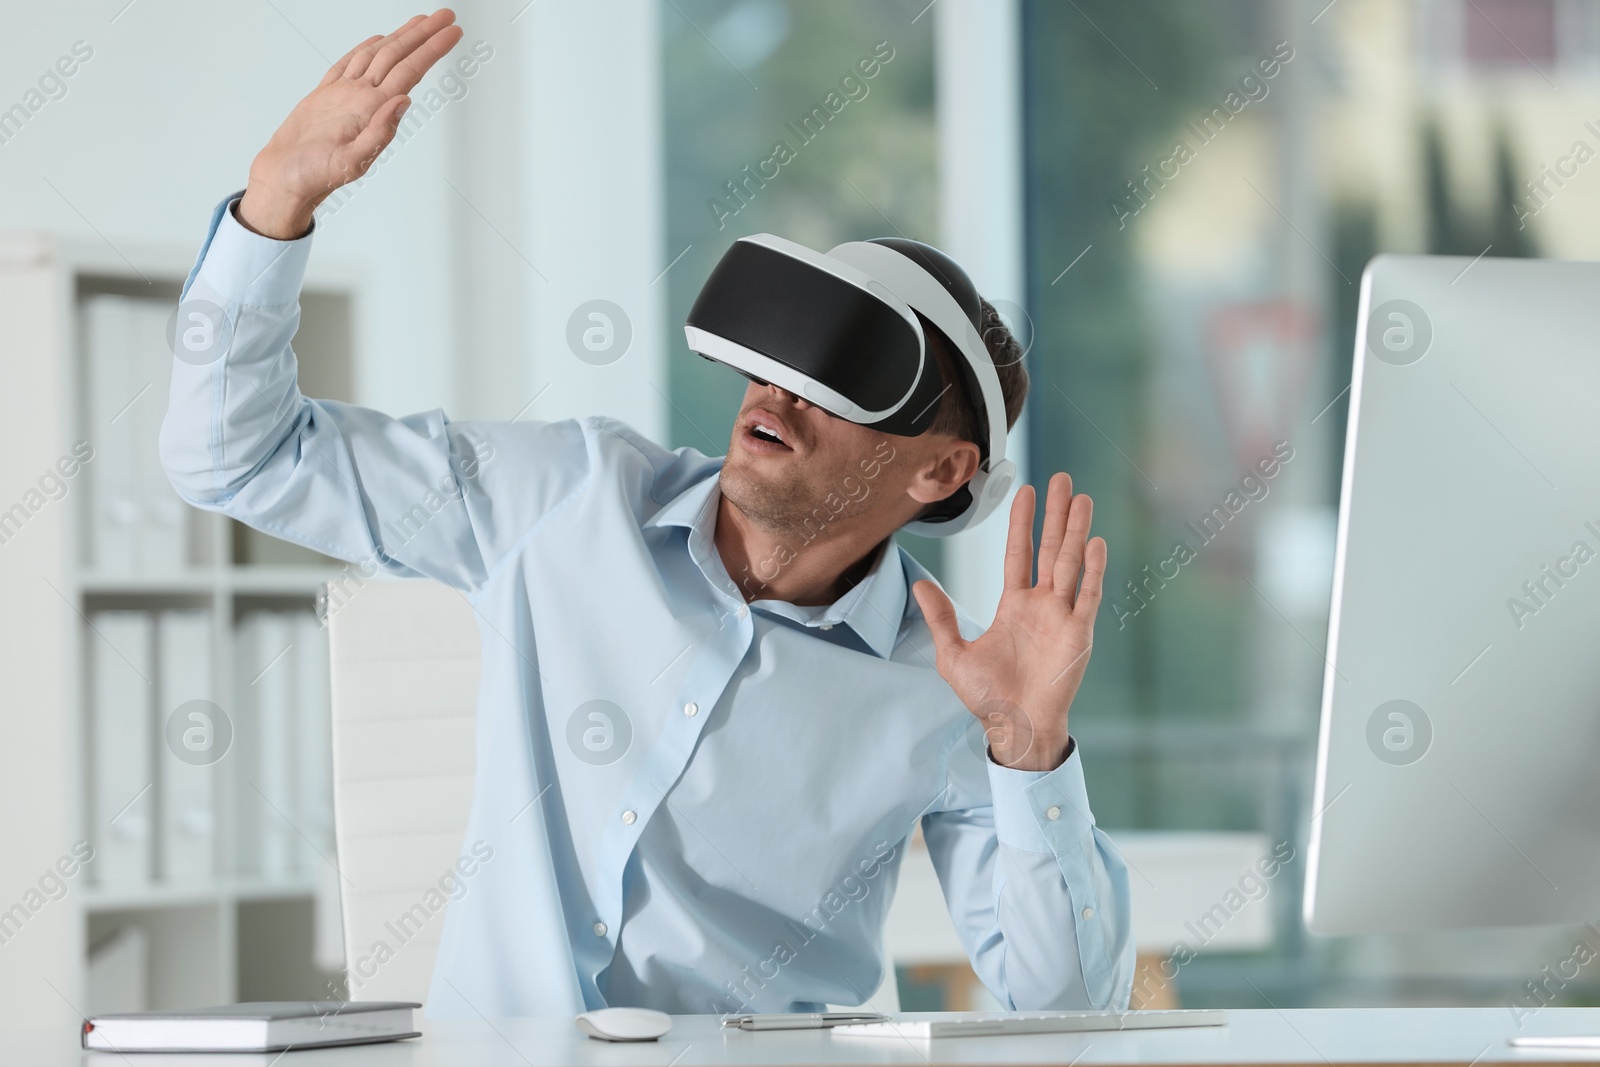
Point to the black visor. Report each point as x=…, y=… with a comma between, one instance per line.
x=839, y=340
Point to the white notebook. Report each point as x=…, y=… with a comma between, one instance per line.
x=262, y=1026
x=992, y=1024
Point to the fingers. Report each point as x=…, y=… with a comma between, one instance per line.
x=396, y=51
x=361, y=57
x=357, y=156
x=1058, y=498
x=337, y=70
x=1019, y=541
x=1094, y=573
x=940, y=614
x=409, y=71
x=1071, y=558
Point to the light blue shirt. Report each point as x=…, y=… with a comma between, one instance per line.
x=691, y=804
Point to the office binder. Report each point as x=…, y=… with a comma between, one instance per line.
x=186, y=787
x=118, y=974
x=163, y=537
x=137, y=522
x=314, y=783
x=313, y=742
x=110, y=374
x=268, y=803
x=122, y=785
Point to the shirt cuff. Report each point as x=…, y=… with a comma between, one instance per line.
x=246, y=268
x=1041, y=811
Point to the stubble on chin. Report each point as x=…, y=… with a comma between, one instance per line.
x=778, y=506
x=788, y=507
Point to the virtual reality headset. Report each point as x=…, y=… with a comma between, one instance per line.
x=842, y=331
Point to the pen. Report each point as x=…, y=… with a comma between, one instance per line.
x=802, y=1020
x=1574, y=1041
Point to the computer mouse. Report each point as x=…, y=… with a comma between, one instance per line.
x=625, y=1024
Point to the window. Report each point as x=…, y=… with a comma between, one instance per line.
x=1206, y=181
x=772, y=124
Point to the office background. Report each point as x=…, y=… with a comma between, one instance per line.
x=1171, y=202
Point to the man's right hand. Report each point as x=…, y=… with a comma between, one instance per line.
x=334, y=135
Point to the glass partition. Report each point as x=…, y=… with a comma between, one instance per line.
x=1206, y=181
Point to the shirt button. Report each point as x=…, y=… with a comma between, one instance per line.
x=628, y=817
x=826, y=626
x=1052, y=812
x=1087, y=913
x=691, y=709
x=599, y=929
x=741, y=611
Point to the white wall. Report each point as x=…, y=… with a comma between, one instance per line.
x=549, y=153
x=163, y=121
x=555, y=164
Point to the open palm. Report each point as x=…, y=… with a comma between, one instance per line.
x=334, y=135
x=1020, y=675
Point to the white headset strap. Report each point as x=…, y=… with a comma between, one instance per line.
x=916, y=287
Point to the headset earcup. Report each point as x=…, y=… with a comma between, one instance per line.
x=999, y=484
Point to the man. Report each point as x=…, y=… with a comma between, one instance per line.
x=697, y=771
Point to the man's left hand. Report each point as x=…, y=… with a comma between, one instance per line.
x=1020, y=676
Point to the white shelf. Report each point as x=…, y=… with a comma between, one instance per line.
x=193, y=928
x=187, y=582
x=258, y=578
x=158, y=895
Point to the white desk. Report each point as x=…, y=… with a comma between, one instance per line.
x=1294, y=1036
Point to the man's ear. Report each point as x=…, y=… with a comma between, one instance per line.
x=946, y=468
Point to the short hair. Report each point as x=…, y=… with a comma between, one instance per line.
x=957, y=415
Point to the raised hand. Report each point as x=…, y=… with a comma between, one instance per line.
x=333, y=136
x=1020, y=676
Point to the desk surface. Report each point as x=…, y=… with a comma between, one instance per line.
x=1322, y=1037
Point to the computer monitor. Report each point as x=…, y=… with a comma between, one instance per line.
x=1458, y=764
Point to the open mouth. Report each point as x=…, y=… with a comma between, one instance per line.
x=760, y=437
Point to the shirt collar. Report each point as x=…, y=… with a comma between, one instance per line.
x=689, y=508
x=873, y=608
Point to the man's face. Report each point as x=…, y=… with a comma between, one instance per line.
x=822, y=473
